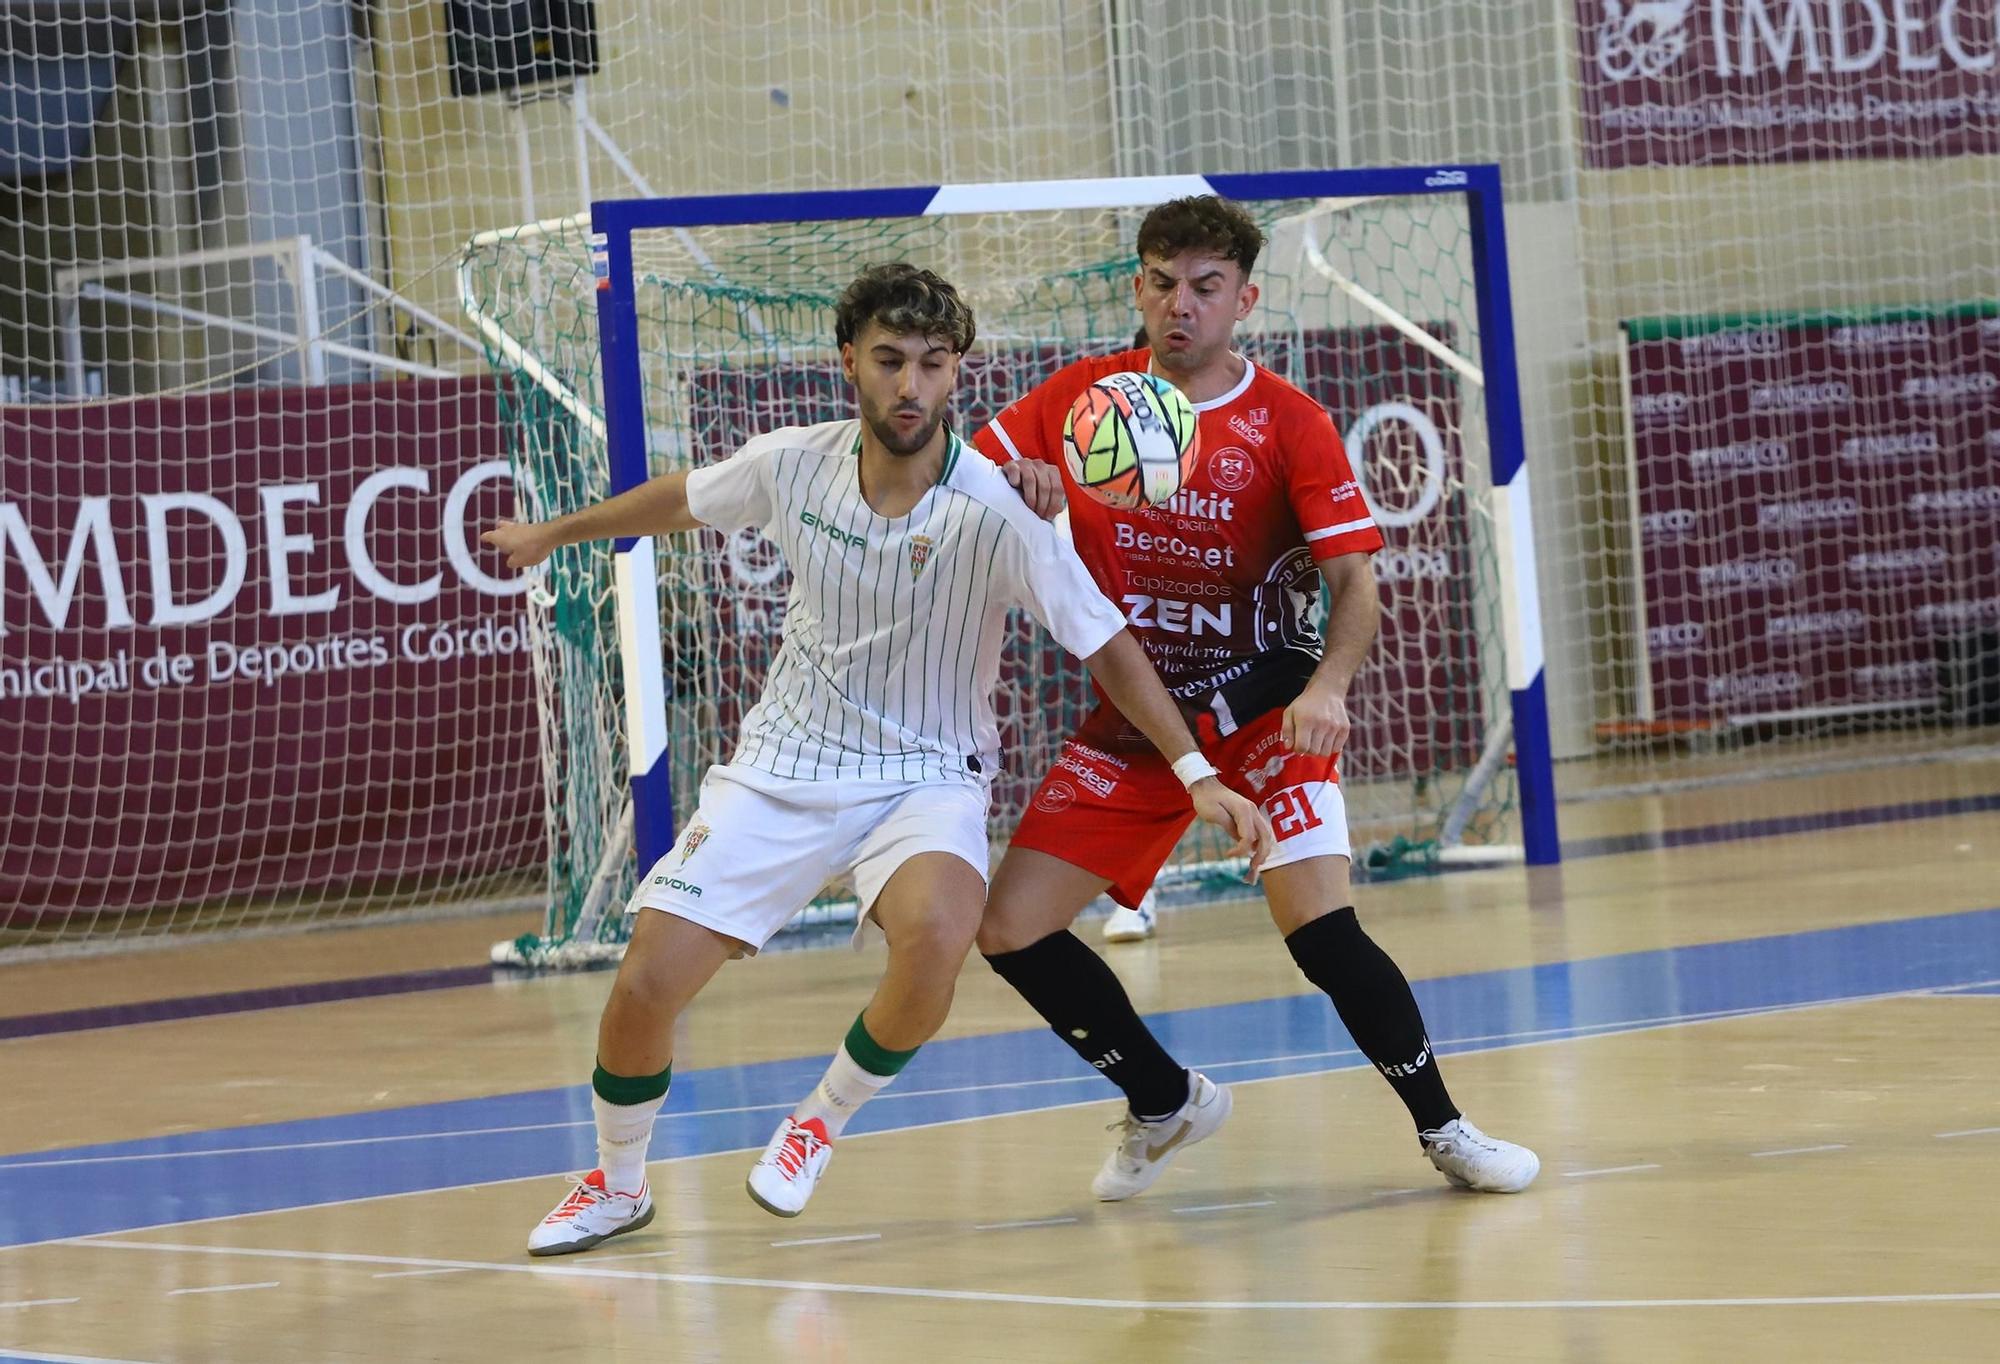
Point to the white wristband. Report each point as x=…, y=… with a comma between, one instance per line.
x=1193, y=767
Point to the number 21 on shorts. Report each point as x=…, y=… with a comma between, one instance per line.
x=1291, y=812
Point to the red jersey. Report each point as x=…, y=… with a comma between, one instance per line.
x=1220, y=582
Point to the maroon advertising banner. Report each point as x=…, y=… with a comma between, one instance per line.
x=1749, y=82
x=251, y=647
x=1416, y=704
x=1818, y=517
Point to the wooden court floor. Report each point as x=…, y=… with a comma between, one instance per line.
x=1760, y=1060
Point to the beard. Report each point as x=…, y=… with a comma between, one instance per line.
x=895, y=441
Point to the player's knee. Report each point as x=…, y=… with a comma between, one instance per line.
x=938, y=941
x=1005, y=929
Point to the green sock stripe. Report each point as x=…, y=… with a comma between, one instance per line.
x=871, y=1055
x=630, y=1089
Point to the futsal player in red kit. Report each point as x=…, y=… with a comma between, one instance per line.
x=1219, y=586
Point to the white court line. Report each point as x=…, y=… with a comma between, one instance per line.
x=1449, y=1046
x=1050, y=1300
x=635, y=1255
x=1535, y=1038
x=221, y=1288
x=419, y=1273
x=1968, y=1132
x=1031, y=1222
x=1608, y=1170
x=1397, y=1193
x=1226, y=1207
x=1799, y=1150
x=38, y=1302
x=830, y=1240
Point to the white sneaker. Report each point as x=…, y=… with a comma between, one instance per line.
x=1144, y=1148
x=784, y=1176
x=1472, y=1160
x=590, y=1215
x=1133, y=925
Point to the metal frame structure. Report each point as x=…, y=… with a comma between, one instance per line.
x=614, y=222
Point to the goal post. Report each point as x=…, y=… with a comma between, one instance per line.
x=1385, y=296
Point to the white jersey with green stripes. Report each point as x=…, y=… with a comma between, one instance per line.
x=894, y=625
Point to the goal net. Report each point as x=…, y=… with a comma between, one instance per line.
x=1369, y=302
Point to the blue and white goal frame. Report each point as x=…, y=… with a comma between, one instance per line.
x=613, y=223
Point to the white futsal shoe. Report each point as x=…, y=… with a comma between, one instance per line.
x=1472, y=1160
x=1144, y=1148
x=785, y=1175
x=591, y=1215
x=1133, y=925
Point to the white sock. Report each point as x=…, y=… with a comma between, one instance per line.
x=840, y=1093
x=623, y=1133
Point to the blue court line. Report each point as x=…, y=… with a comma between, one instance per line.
x=128, y=1185
x=362, y=987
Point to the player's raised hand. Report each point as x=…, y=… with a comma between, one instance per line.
x=1316, y=724
x=1039, y=484
x=523, y=543
x=1238, y=818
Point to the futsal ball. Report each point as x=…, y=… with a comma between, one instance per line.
x=1131, y=439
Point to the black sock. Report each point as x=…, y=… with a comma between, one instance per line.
x=1083, y=1001
x=1374, y=1001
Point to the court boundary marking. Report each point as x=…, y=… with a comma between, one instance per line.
x=1473, y=1045
x=1530, y=1040
x=585, y=1271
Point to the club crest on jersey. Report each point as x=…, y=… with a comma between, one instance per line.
x=920, y=554
x=1230, y=469
x=696, y=835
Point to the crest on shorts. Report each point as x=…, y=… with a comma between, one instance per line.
x=696, y=835
x=920, y=554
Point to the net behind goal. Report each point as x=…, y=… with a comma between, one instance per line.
x=684, y=327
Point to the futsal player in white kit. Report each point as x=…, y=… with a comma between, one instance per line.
x=869, y=754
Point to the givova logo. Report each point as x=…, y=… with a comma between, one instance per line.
x=811, y=521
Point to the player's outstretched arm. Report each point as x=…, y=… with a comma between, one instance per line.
x=658, y=506
x=1123, y=670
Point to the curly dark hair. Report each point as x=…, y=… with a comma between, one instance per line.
x=907, y=301
x=1202, y=222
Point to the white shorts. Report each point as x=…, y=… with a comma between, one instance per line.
x=759, y=847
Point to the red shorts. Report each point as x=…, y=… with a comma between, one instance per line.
x=1113, y=806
